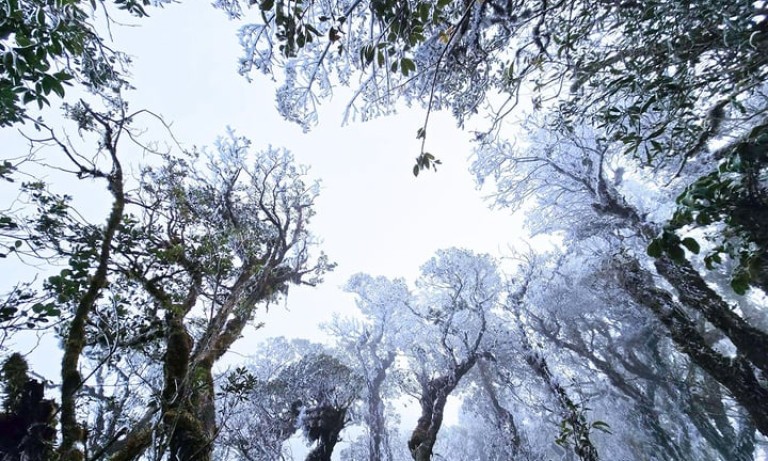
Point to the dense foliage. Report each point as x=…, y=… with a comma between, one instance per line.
x=46, y=44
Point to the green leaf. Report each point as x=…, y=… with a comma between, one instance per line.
x=715, y=258
x=367, y=54
x=312, y=29
x=407, y=66
x=691, y=244
x=740, y=282
x=655, y=248
x=703, y=219
x=416, y=169
x=62, y=76
x=676, y=253
x=601, y=426
x=57, y=88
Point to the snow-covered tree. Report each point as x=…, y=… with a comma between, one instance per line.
x=583, y=186
x=628, y=100
x=373, y=345
x=457, y=291
x=168, y=282
x=289, y=386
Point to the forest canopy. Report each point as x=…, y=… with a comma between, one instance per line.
x=633, y=134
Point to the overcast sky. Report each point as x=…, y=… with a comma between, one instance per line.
x=373, y=215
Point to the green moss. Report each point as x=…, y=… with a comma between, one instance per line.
x=187, y=434
x=14, y=374
x=134, y=446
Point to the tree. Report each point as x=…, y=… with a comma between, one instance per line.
x=291, y=386
x=636, y=68
x=508, y=442
x=583, y=187
x=627, y=101
x=175, y=275
x=575, y=429
x=658, y=80
x=373, y=346
x=262, y=402
x=325, y=416
x=458, y=291
x=618, y=350
x=26, y=424
x=47, y=45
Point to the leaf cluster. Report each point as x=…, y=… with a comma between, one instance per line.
x=45, y=45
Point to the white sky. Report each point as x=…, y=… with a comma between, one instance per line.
x=372, y=215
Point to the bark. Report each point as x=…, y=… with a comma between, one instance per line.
x=324, y=424
x=505, y=421
x=71, y=432
x=433, y=398
x=694, y=292
x=377, y=440
x=735, y=374
x=190, y=437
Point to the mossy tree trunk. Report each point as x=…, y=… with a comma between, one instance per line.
x=189, y=409
x=74, y=343
x=189, y=254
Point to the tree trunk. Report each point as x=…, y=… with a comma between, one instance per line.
x=505, y=422
x=434, y=395
x=378, y=443
x=375, y=424
x=735, y=374
x=74, y=342
x=188, y=397
x=324, y=424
